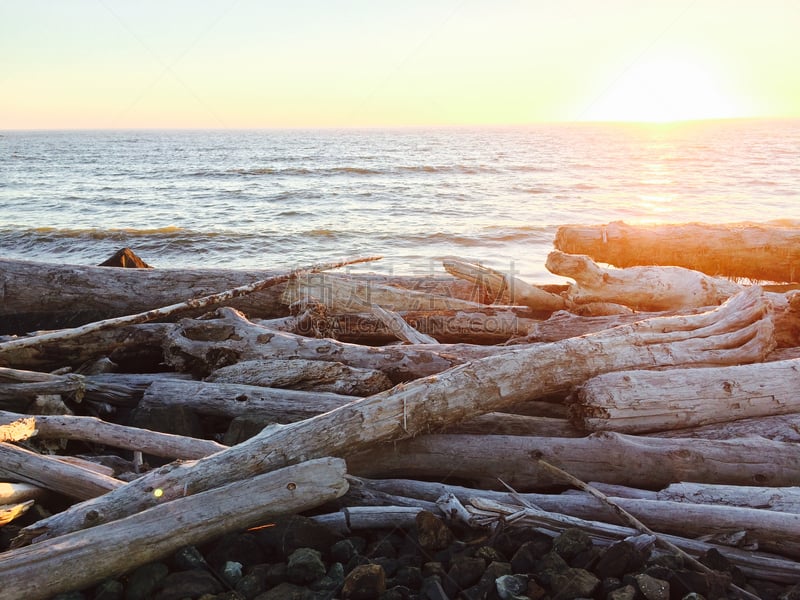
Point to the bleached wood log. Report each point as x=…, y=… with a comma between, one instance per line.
x=738, y=331
x=489, y=325
x=351, y=520
x=504, y=287
x=84, y=558
x=784, y=428
x=607, y=457
x=233, y=400
x=9, y=512
x=91, y=429
x=344, y=294
x=404, y=332
x=302, y=374
x=24, y=466
x=779, y=499
x=17, y=429
x=648, y=401
x=202, y=346
x=641, y=288
x=11, y=493
x=757, y=251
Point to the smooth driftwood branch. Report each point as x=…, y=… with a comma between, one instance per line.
x=751, y=250
x=648, y=401
x=92, y=429
x=784, y=428
x=11, y=493
x=404, y=332
x=83, y=558
x=50, y=473
x=781, y=499
x=642, y=288
x=173, y=309
x=503, y=286
x=641, y=462
x=739, y=331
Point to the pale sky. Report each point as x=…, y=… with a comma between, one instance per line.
x=355, y=63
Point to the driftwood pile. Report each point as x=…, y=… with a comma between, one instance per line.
x=670, y=389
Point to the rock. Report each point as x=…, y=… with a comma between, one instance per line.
x=652, y=588
x=619, y=558
x=511, y=587
x=232, y=572
x=524, y=560
x=126, y=259
x=143, y=581
x=187, y=584
x=410, y=577
x=293, y=532
x=276, y=574
x=365, y=582
x=464, y=572
x=716, y=561
x=573, y=583
x=242, y=548
x=432, y=589
x=548, y=566
x=343, y=550
x=627, y=592
x=433, y=568
x=693, y=596
x=286, y=591
x=251, y=585
x=332, y=581
x=571, y=543
x=432, y=532
x=489, y=554
x=305, y=566
x=69, y=596
x=109, y=589
x=188, y=558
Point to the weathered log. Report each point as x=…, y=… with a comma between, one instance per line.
x=9, y=512
x=400, y=328
x=83, y=558
x=648, y=401
x=345, y=294
x=233, y=400
x=738, y=331
x=489, y=325
x=641, y=288
x=779, y=499
x=11, y=493
x=18, y=464
x=784, y=428
x=749, y=250
x=17, y=428
x=498, y=423
x=351, y=520
x=302, y=374
x=201, y=346
x=91, y=429
x=506, y=288
x=641, y=462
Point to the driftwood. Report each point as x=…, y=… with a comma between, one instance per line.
x=400, y=328
x=351, y=520
x=301, y=374
x=783, y=428
x=750, y=250
x=507, y=288
x=83, y=558
x=17, y=428
x=642, y=288
x=18, y=464
x=607, y=457
x=11, y=493
x=91, y=429
x=780, y=499
x=233, y=400
x=648, y=401
x=739, y=331
x=497, y=423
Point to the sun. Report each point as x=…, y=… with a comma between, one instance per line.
x=661, y=91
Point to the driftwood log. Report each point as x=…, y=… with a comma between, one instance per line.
x=78, y=560
x=739, y=331
x=784, y=428
x=748, y=250
x=641, y=288
x=780, y=499
x=648, y=401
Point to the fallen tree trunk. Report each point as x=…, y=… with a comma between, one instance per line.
x=739, y=331
x=606, y=457
x=784, y=428
x=83, y=558
x=641, y=288
x=301, y=374
x=751, y=250
x=779, y=499
x=649, y=401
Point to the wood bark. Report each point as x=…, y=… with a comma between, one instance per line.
x=84, y=558
x=302, y=374
x=232, y=400
x=24, y=466
x=648, y=401
x=751, y=250
x=606, y=457
x=91, y=429
x=738, y=331
x=641, y=288
x=506, y=288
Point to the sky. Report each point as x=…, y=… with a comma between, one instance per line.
x=372, y=63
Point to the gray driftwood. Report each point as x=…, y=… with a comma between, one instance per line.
x=739, y=331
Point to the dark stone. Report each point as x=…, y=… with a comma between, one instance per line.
x=489, y=554
x=672, y=561
x=293, y=532
x=572, y=583
x=508, y=541
x=618, y=559
x=187, y=584
x=432, y=532
x=109, y=589
x=305, y=565
x=143, y=581
x=716, y=561
x=382, y=547
x=343, y=550
x=188, y=558
x=548, y=566
x=332, y=581
x=390, y=565
x=126, y=259
x=365, y=582
x=531, y=551
x=535, y=591
x=175, y=418
x=231, y=572
x=396, y=593
x=432, y=589
x=571, y=543
x=652, y=588
x=286, y=591
x=251, y=585
x=464, y=572
x=433, y=568
x=410, y=577
x=627, y=592
x=236, y=547
x=276, y=574
x=510, y=587
x=69, y=596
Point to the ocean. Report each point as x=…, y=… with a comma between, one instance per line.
x=285, y=198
